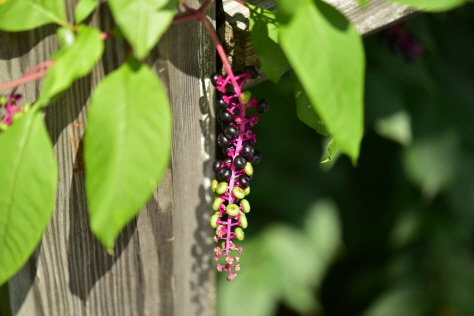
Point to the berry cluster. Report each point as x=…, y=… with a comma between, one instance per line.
x=11, y=110
x=236, y=170
x=399, y=39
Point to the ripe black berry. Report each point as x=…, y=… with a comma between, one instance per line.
x=217, y=165
x=244, y=181
x=214, y=78
x=224, y=173
x=262, y=106
x=227, y=162
x=225, y=116
x=231, y=132
x=257, y=157
x=239, y=162
x=222, y=140
x=248, y=150
x=238, y=73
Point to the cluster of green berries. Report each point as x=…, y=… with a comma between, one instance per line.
x=236, y=170
x=11, y=110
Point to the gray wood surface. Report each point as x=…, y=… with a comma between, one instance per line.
x=236, y=37
x=162, y=263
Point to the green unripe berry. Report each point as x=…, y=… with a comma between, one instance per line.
x=214, y=219
x=248, y=169
x=217, y=202
x=243, y=221
x=247, y=190
x=3, y=127
x=3, y=100
x=232, y=210
x=239, y=233
x=245, y=97
x=245, y=205
x=222, y=188
x=17, y=116
x=238, y=192
x=214, y=185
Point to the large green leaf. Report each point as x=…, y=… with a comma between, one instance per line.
x=327, y=55
x=431, y=5
x=72, y=62
x=22, y=15
x=143, y=22
x=28, y=180
x=126, y=147
x=264, y=35
x=304, y=109
x=83, y=9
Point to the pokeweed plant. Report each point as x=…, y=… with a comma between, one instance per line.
x=323, y=49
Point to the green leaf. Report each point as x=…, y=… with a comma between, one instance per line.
x=327, y=55
x=332, y=149
x=126, y=147
x=363, y=2
x=72, y=62
x=431, y=5
x=143, y=22
x=304, y=109
x=264, y=36
x=28, y=180
x=396, y=127
x=22, y=15
x=83, y=9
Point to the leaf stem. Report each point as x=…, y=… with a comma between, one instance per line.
x=34, y=73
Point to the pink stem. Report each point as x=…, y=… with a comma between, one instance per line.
x=33, y=74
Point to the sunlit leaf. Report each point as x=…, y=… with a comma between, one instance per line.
x=327, y=56
x=22, y=15
x=72, y=62
x=126, y=147
x=143, y=22
x=28, y=180
x=264, y=35
x=83, y=9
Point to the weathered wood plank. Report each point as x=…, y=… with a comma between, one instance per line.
x=368, y=19
x=162, y=264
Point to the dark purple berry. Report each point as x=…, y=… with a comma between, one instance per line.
x=227, y=162
x=222, y=104
x=262, y=106
x=257, y=157
x=244, y=181
x=227, y=150
x=248, y=150
x=224, y=173
x=251, y=71
x=239, y=162
x=238, y=73
x=225, y=116
x=217, y=165
x=231, y=132
x=214, y=77
x=222, y=140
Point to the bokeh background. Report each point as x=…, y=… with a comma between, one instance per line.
x=392, y=236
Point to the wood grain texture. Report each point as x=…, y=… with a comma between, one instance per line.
x=236, y=38
x=162, y=262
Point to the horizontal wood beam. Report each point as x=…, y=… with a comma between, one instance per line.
x=236, y=37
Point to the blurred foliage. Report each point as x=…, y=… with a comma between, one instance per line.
x=393, y=236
